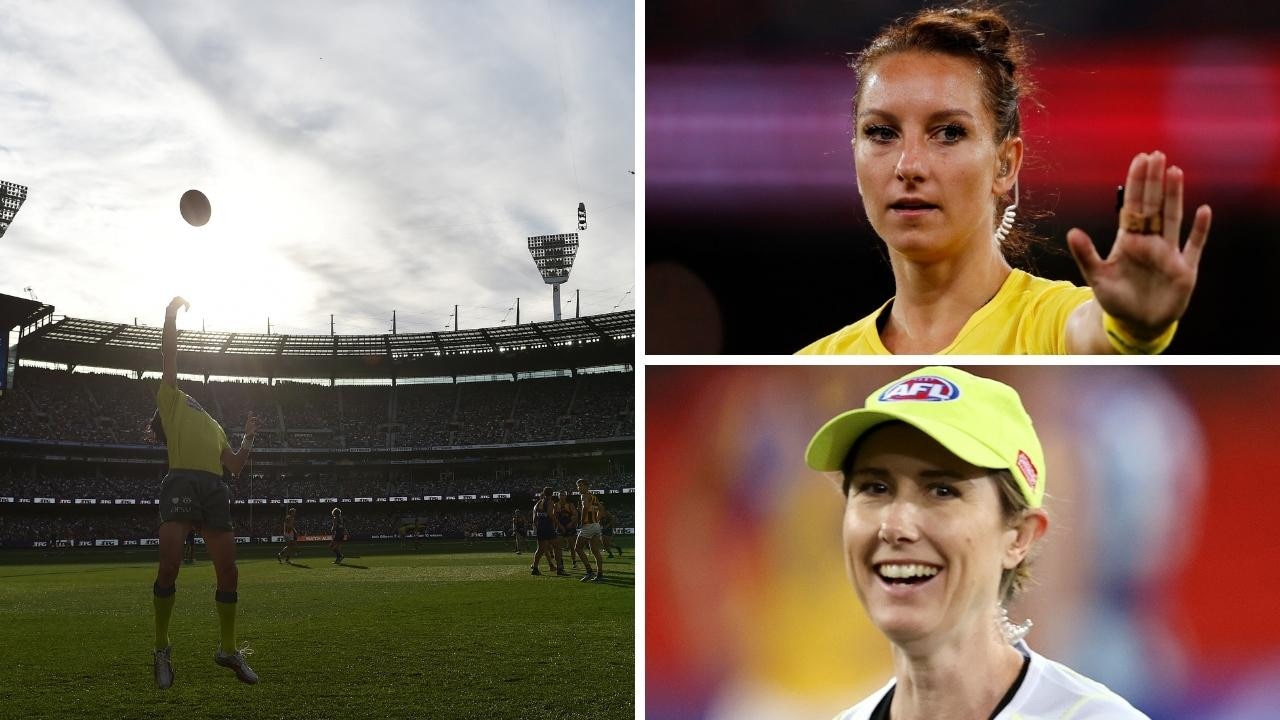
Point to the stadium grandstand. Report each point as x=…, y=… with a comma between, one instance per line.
x=439, y=433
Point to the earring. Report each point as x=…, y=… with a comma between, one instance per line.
x=1004, y=168
x=1010, y=214
x=1011, y=633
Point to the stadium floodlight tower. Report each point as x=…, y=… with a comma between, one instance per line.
x=553, y=254
x=11, y=198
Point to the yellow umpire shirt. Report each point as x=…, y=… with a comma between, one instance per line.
x=195, y=440
x=1028, y=316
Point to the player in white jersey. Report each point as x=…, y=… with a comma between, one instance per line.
x=944, y=478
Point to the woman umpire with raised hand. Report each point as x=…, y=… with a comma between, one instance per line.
x=944, y=478
x=193, y=493
x=937, y=146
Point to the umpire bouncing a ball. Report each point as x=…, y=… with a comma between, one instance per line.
x=194, y=207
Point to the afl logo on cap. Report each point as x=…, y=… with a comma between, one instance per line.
x=928, y=388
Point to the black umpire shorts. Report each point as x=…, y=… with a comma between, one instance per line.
x=198, y=497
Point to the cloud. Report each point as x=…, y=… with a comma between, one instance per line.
x=359, y=157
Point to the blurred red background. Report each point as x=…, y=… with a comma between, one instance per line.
x=1156, y=578
x=755, y=234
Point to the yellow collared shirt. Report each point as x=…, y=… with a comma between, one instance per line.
x=195, y=440
x=1028, y=316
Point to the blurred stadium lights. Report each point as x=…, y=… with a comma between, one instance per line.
x=553, y=254
x=12, y=196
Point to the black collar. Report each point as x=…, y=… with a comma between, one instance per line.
x=881, y=712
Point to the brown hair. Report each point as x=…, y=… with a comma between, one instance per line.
x=975, y=32
x=1013, y=506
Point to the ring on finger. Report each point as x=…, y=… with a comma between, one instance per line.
x=1140, y=224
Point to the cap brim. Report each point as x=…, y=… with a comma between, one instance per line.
x=832, y=442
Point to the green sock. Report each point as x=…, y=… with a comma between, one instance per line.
x=162, y=599
x=226, y=603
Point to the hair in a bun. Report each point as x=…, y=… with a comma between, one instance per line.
x=976, y=32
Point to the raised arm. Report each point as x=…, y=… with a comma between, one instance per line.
x=234, y=461
x=169, y=341
x=1144, y=285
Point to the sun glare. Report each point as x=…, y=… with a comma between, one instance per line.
x=219, y=267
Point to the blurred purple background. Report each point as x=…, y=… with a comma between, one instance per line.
x=753, y=224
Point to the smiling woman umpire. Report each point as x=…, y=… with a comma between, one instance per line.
x=944, y=479
x=937, y=146
x=193, y=492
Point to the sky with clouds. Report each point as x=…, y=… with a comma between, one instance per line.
x=359, y=157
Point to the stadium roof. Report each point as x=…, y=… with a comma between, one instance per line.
x=570, y=343
x=16, y=311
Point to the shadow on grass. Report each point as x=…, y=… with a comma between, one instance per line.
x=76, y=572
x=618, y=578
x=291, y=563
x=349, y=565
x=615, y=581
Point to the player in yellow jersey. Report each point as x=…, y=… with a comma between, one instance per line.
x=567, y=527
x=589, y=534
x=290, y=536
x=937, y=149
x=607, y=521
x=193, y=492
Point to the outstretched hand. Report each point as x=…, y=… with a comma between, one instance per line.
x=1146, y=281
x=251, y=425
x=176, y=303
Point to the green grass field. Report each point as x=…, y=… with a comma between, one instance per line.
x=450, y=630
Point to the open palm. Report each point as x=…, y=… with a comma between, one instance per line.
x=1146, y=280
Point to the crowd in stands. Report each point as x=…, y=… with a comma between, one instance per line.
x=114, y=409
x=424, y=415
x=86, y=485
x=88, y=407
x=33, y=482
x=139, y=522
x=78, y=526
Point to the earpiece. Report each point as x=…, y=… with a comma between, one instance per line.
x=1006, y=223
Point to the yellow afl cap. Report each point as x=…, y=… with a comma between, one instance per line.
x=980, y=420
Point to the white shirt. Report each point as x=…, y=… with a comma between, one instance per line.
x=1050, y=691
